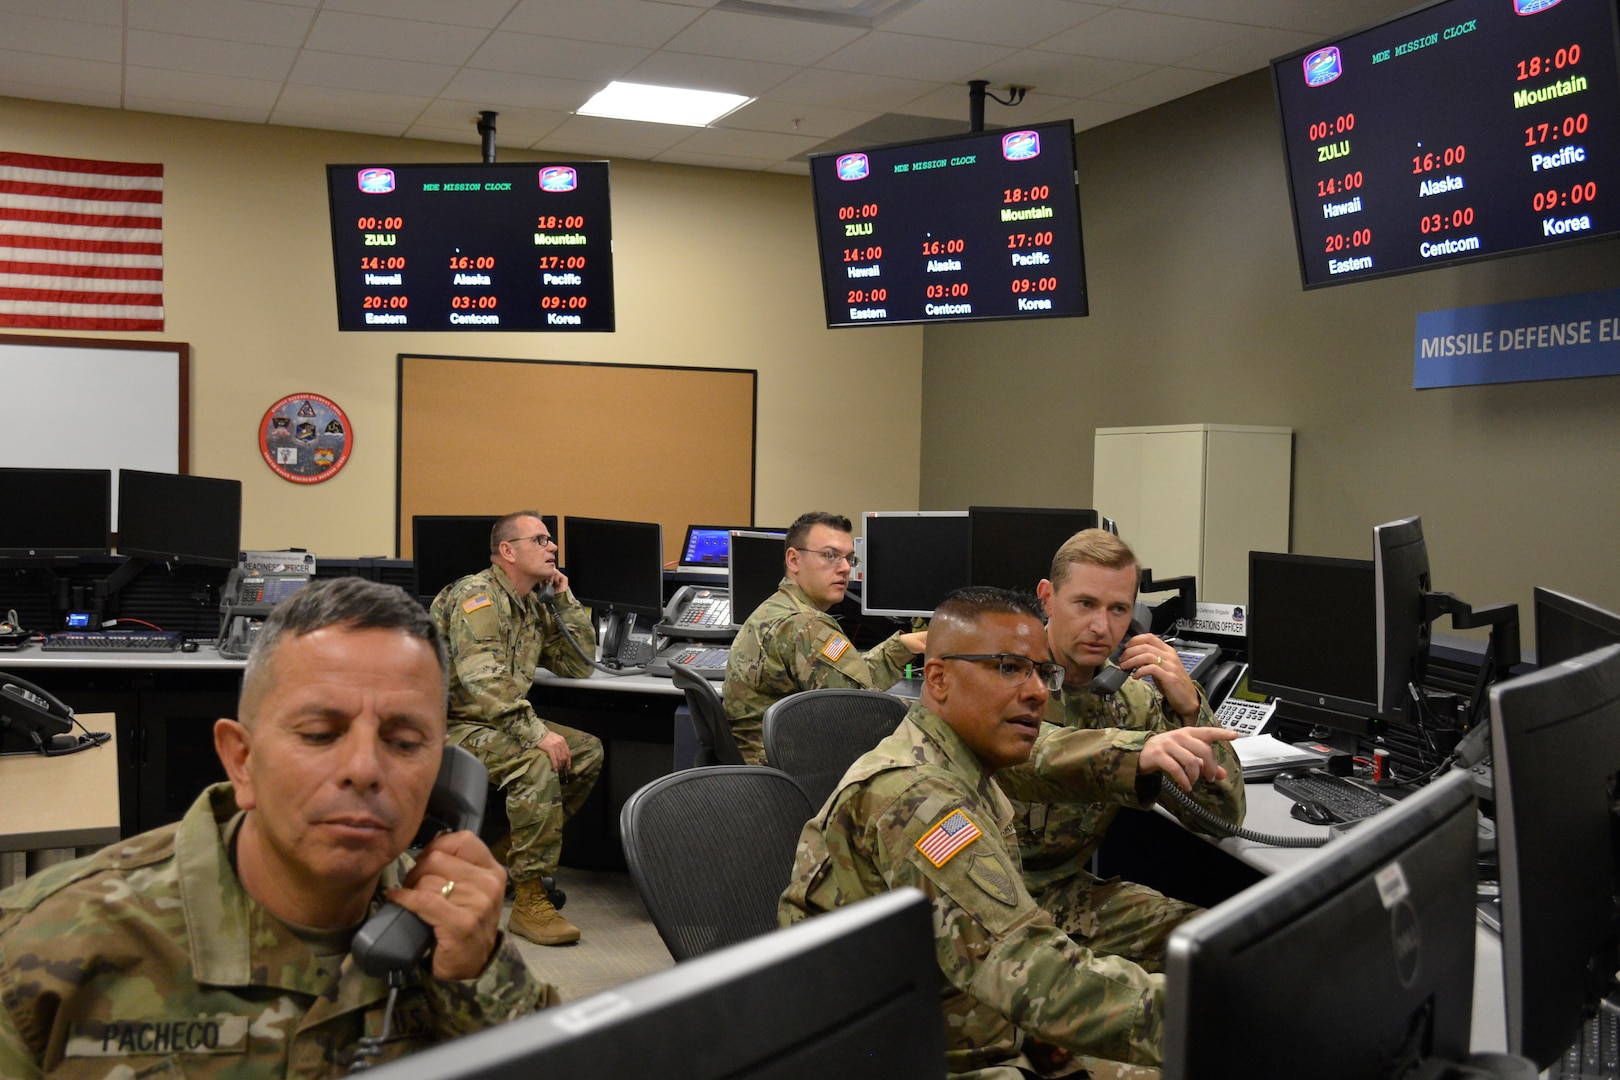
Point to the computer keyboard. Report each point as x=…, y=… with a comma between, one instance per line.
x=1595, y=1055
x=1342, y=800
x=113, y=640
x=706, y=660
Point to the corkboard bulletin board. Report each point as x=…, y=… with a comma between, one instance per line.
x=673, y=445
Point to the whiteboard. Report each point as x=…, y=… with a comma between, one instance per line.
x=82, y=403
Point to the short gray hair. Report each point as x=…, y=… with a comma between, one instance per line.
x=350, y=602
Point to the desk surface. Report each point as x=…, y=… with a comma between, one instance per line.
x=66, y=801
x=624, y=684
x=1268, y=813
x=33, y=655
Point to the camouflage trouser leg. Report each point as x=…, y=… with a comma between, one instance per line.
x=537, y=802
x=1116, y=918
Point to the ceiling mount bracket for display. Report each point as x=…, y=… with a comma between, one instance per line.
x=486, y=131
x=978, y=90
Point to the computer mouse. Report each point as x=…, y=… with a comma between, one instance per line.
x=188, y=646
x=1310, y=813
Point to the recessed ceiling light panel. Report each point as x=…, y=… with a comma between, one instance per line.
x=662, y=104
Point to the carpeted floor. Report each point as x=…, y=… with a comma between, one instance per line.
x=617, y=940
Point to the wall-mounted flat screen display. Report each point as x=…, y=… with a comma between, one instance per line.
x=965, y=228
x=519, y=246
x=1465, y=130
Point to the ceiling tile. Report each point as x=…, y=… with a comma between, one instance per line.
x=205, y=110
x=393, y=39
x=1142, y=36
x=603, y=131
x=846, y=90
x=481, y=13
x=225, y=20
x=1087, y=113
x=791, y=118
x=710, y=73
x=57, y=89
x=1060, y=74
x=533, y=55
x=367, y=108
x=761, y=37
x=501, y=89
x=344, y=122
x=369, y=73
x=148, y=49
x=624, y=22
x=1249, y=12
x=756, y=144
x=679, y=156
x=191, y=86
x=1019, y=23
x=59, y=37
x=951, y=103
x=909, y=57
x=73, y=77
x=1251, y=51
x=1159, y=86
x=106, y=12
x=513, y=127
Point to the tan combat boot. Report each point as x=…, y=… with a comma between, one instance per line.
x=534, y=919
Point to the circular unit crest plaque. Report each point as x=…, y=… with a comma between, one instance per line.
x=305, y=438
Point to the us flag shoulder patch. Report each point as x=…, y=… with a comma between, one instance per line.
x=951, y=835
x=482, y=600
x=835, y=648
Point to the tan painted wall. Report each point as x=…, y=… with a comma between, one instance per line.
x=713, y=268
x=1198, y=315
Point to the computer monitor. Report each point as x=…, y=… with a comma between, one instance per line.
x=615, y=566
x=706, y=546
x=1555, y=736
x=1567, y=627
x=756, y=569
x=1312, y=636
x=1012, y=546
x=1401, y=567
x=912, y=560
x=850, y=994
x=55, y=513
x=177, y=518
x=1355, y=965
x=446, y=548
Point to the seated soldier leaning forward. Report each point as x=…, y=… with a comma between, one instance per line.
x=923, y=809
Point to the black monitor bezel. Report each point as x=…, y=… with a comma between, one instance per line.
x=686, y=546
x=178, y=552
x=930, y=557
x=1304, y=695
x=979, y=559
x=641, y=598
x=99, y=478
x=1602, y=623
x=1400, y=562
x=739, y=613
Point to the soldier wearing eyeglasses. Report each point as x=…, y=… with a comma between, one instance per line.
x=790, y=643
x=1127, y=742
x=923, y=808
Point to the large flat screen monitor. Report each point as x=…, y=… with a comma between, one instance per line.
x=176, y=518
x=615, y=565
x=469, y=246
x=1463, y=130
x=755, y=570
x=55, y=513
x=1555, y=738
x=1358, y=964
x=1401, y=566
x=852, y=994
x=912, y=559
x=963, y=228
x=1312, y=635
x=1567, y=627
x=448, y=547
x=1011, y=547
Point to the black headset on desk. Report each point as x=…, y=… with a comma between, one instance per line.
x=38, y=714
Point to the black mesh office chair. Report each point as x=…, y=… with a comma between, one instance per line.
x=710, y=851
x=816, y=735
x=715, y=743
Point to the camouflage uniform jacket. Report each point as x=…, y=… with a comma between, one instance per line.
x=1095, y=741
x=1009, y=969
x=148, y=958
x=496, y=640
x=787, y=645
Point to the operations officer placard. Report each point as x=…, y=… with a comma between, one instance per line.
x=522, y=246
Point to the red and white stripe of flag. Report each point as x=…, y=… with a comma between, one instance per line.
x=81, y=243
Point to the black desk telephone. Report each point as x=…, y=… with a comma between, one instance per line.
x=35, y=719
x=394, y=940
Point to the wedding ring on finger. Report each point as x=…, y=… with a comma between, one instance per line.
x=448, y=888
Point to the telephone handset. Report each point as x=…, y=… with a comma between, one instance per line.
x=698, y=613
x=394, y=940
x=41, y=718
x=1109, y=678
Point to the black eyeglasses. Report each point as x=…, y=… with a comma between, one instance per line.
x=1016, y=668
x=833, y=557
x=540, y=540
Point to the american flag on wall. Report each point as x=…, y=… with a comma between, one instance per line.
x=81, y=243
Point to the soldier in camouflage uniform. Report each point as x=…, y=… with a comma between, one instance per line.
x=790, y=643
x=219, y=946
x=498, y=630
x=1146, y=730
x=922, y=809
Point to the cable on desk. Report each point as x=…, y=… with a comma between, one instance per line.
x=1225, y=828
